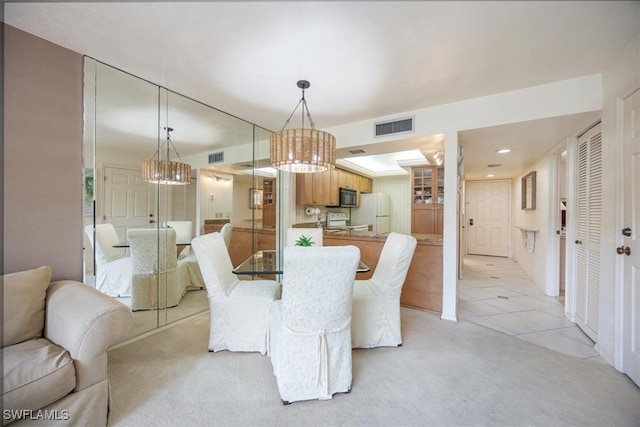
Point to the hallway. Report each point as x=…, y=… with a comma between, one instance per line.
x=496, y=293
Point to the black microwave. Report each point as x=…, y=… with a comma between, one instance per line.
x=348, y=198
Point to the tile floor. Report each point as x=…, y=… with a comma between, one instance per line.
x=496, y=293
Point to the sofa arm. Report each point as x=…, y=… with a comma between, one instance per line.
x=85, y=322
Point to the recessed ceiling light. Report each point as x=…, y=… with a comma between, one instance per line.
x=494, y=165
x=490, y=175
x=503, y=150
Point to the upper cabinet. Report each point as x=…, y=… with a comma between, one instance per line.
x=427, y=206
x=322, y=189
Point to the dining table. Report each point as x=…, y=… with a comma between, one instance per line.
x=266, y=262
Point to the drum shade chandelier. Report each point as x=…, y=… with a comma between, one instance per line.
x=302, y=150
x=165, y=171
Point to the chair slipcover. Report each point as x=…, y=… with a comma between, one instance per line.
x=239, y=309
x=376, y=302
x=293, y=234
x=184, y=234
x=226, y=231
x=154, y=258
x=311, y=324
x=113, y=266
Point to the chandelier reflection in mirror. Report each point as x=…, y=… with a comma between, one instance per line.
x=302, y=150
x=165, y=171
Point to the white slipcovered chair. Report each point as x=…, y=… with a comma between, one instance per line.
x=154, y=261
x=293, y=234
x=184, y=234
x=311, y=324
x=112, y=265
x=376, y=301
x=226, y=231
x=239, y=309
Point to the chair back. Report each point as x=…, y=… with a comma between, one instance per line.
x=293, y=234
x=225, y=231
x=152, y=250
x=215, y=264
x=394, y=262
x=184, y=230
x=106, y=237
x=317, y=287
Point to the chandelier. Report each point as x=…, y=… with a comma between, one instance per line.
x=302, y=150
x=165, y=171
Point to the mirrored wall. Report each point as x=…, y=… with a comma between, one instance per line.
x=137, y=233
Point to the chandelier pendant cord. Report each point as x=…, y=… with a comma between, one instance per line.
x=302, y=101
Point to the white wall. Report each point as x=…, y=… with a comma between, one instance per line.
x=534, y=264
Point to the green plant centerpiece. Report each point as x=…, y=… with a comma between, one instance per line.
x=304, y=241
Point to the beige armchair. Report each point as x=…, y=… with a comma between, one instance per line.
x=54, y=348
x=376, y=302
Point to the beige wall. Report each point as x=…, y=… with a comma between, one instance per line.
x=42, y=156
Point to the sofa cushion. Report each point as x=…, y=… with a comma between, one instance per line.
x=24, y=301
x=36, y=373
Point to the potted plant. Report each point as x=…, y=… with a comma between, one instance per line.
x=304, y=241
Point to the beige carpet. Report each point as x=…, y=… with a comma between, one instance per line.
x=445, y=374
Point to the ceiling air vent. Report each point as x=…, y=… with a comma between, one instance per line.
x=216, y=157
x=394, y=126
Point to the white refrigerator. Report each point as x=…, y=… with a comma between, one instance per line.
x=374, y=210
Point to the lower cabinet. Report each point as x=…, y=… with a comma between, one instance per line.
x=427, y=219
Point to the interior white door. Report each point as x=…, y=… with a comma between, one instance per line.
x=488, y=217
x=588, y=231
x=129, y=201
x=630, y=248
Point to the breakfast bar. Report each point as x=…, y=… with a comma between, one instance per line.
x=423, y=286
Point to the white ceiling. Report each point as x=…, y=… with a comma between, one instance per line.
x=364, y=59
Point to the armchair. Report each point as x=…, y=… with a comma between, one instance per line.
x=113, y=266
x=311, y=324
x=239, y=309
x=376, y=301
x=54, y=347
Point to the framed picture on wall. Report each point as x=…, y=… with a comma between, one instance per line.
x=88, y=192
x=529, y=191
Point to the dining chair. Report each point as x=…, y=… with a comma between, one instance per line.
x=226, y=231
x=239, y=309
x=159, y=280
x=184, y=234
x=376, y=301
x=294, y=234
x=311, y=325
x=113, y=265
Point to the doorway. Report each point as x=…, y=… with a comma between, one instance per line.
x=487, y=217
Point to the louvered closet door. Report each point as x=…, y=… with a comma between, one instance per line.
x=589, y=220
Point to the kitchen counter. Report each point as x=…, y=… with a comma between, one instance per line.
x=422, y=288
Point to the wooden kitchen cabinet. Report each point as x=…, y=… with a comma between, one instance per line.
x=269, y=202
x=427, y=208
x=313, y=188
x=323, y=189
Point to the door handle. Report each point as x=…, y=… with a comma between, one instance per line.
x=623, y=250
x=626, y=232
x=471, y=221
x=578, y=242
